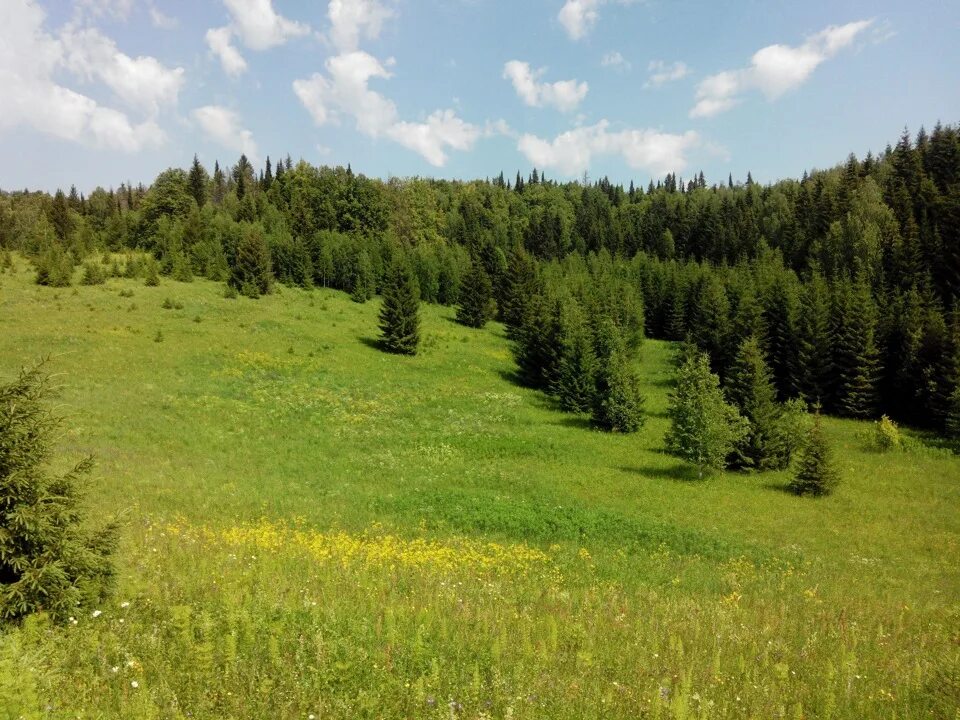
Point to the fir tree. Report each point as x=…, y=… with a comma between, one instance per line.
x=521, y=284
x=816, y=474
x=814, y=345
x=750, y=388
x=48, y=560
x=250, y=272
x=617, y=400
x=855, y=357
x=704, y=428
x=197, y=181
x=400, y=312
x=576, y=381
x=476, y=303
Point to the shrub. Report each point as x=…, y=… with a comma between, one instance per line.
x=816, y=474
x=886, y=435
x=93, y=273
x=151, y=272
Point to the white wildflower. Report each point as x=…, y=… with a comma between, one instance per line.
x=134, y=684
x=96, y=613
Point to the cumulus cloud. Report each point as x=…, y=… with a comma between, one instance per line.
x=579, y=16
x=351, y=19
x=224, y=127
x=345, y=90
x=661, y=73
x=29, y=59
x=257, y=25
x=220, y=42
x=615, y=60
x=564, y=95
x=142, y=82
x=774, y=70
x=571, y=152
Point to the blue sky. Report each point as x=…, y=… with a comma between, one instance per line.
x=102, y=91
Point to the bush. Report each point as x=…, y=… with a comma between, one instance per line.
x=151, y=272
x=169, y=304
x=93, y=273
x=886, y=435
x=816, y=474
x=48, y=562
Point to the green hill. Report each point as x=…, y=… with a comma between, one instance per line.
x=315, y=528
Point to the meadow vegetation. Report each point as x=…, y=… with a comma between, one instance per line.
x=314, y=528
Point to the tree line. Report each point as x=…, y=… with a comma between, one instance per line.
x=840, y=288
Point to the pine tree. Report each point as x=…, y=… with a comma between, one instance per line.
x=617, y=401
x=704, y=428
x=750, y=388
x=538, y=343
x=476, y=303
x=521, y=284
x=197, y=180
x=250, y=272
x=48, y=560
x=816, y=474
x=400, y=312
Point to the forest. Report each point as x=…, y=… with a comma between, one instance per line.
x=847, y=280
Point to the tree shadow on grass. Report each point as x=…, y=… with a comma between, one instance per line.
x=779, y=486
x=372, y=343
x=679, y=472
x=580, y=422
x=512, y=377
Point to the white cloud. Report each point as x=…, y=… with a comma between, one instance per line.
x=349, y=19
x=345, y=90
x=257, y=25
x=29, y=57
x=142, y=82
x=564, y=95
x=219, y=42
x=615, y=60
x=774, y=70
x=225, y=127
x=579, y=16
x=161, y=21
x=571, y=152
x=661, y=73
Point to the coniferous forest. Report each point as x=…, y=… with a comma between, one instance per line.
x=844, y=284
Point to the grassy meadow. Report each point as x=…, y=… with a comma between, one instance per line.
x=313, y=528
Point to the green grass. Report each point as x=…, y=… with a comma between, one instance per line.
x=249, y=445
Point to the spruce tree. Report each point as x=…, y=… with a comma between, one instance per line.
x=814, y=351
x=575, y=383
x=250, y=272
x=521, y=284
x=538, y=343
x=48, y=560
x=855, y=357
x=197, y=180
x=816, y=474
x=617, y=400
x=476, y=303
x=704, y=428
x=750, y=388
x=400, y=312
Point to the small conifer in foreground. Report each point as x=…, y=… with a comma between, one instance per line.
x=48, y=561
x=816, y=474
x=400, y=312
x=476, y=303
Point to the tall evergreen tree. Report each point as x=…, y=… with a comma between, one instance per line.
x=197, y=181
x=521, y=283
x=476, y=303
x=855, y=356
x=576, y=381
x=250, y=273
x=617, y=402
x=814, y=342
x=400, y=312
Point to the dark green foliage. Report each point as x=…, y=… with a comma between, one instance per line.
x=855, y=355
x=814, y=345
x=250, y=273
x=476, y=303
x=770, y=438
x=521, y=284
x=617, y=400
x=151, y=272
x=400, y=312
x=575, y=384
x=54, y=267
x=197, y=181
x=816, y=474
x=953, y=414
x=538, y=342
x=704, y=428
x=48, y=561
x=180, y=269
